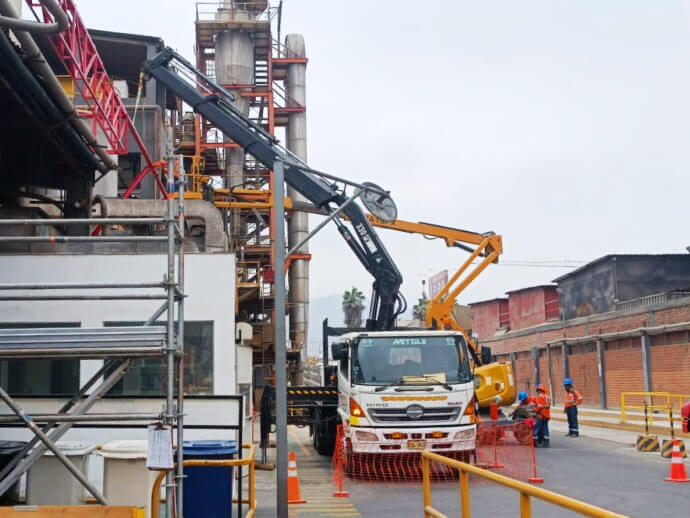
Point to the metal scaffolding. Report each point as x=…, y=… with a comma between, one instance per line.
x=119, y=347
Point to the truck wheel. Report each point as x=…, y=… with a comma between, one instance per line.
x=323, y=444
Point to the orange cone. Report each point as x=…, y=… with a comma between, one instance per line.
x=677, y=467
x=293, y=481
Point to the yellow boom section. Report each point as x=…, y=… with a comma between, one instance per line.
x=495, y=381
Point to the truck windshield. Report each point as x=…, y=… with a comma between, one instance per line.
x=418, y=360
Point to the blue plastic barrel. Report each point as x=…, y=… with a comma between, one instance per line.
x=208, y=490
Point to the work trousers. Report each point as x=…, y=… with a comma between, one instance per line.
x=573, y=428
x=541, y=432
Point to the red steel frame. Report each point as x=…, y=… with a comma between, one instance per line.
x=77, y=52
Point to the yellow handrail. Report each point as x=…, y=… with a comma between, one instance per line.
x=648, y=403
x=248, y=461
x=526, y=491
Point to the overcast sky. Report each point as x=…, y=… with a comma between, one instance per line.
x=561, y=125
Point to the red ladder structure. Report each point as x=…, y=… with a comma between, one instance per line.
x=78, y=54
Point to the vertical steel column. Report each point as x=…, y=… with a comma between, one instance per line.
x=550, y=372
x=645, y=344
x=179, y=479
x=535, y=356
x=566, y=365
x=601, y=365
x=170, y=350
x=280, y=353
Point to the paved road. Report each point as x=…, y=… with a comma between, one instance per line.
x=605, y=473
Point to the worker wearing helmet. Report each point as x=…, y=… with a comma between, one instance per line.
x=525, y=408
x=572, y=400
x=542, y=408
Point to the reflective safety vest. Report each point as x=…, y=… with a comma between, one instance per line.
x=543, y=406
x=573, y=398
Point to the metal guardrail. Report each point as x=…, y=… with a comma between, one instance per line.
x=527, y=492
x=248, y=461
x=669, y=403
x=649, y=300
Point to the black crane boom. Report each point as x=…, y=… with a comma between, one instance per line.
x=215, y=106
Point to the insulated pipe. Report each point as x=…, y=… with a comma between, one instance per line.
x=17, y=24
x=41, y=99
x=235, y=66
x=36, y=61
x=298, y=224
x=214, y=238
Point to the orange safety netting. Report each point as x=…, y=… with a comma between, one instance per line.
x=505, y=449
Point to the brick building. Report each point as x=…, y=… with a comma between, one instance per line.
x=634, y=344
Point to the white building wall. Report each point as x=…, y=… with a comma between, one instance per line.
x=209, y=285
x=210, y=289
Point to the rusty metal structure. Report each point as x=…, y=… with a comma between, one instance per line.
x=238, y=46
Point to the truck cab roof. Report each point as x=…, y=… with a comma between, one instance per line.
x=373, y=334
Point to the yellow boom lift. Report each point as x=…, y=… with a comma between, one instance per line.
x=494, y=381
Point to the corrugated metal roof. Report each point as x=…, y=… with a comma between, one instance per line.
x=612, y=256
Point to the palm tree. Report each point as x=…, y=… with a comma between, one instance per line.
x=419, y=309
x=353, y=304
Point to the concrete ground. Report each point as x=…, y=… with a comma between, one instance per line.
x=601, y=467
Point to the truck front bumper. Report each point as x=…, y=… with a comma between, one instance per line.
x=366, y=439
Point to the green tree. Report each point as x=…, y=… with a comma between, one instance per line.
x=419, y=309
x=353, y=304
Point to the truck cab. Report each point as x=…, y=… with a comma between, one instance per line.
x=406, y=391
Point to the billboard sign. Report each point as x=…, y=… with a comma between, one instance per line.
x=437, y=282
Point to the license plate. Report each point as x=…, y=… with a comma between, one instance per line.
x=416, y=444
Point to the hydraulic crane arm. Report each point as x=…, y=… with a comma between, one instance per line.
x=487, y=246
x=494, y=382
x=215, y=105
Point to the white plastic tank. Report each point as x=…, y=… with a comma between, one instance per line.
x=50, y=483
x=126, y=479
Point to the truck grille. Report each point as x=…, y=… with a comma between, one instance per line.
x=400, y=414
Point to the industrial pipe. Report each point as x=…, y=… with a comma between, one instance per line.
x=298, y=224
x=40, y=97
x=214, y=238
x=37, y=62
x=17, y=24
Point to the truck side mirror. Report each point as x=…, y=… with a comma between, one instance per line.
x=339, y=351
x=486, y=355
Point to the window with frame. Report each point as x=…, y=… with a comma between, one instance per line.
x=39, y=377
x=148, y=376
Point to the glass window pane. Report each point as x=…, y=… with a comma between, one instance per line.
x=148, y=377
x=39, y=377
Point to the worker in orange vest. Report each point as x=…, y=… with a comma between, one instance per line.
x=572, y=400
x=542, y=408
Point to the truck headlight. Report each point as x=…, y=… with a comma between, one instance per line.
x=477, y=382
x=366, y=436
x=464, y=435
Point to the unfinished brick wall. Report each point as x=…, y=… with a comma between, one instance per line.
x=669, y=355
x=584, y=372
x=671, y=368
x=623, y=360
x=524, y=371
x=557, y=375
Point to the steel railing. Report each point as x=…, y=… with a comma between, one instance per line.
x=669, y=402
x=248, y=461
x=527, y=492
